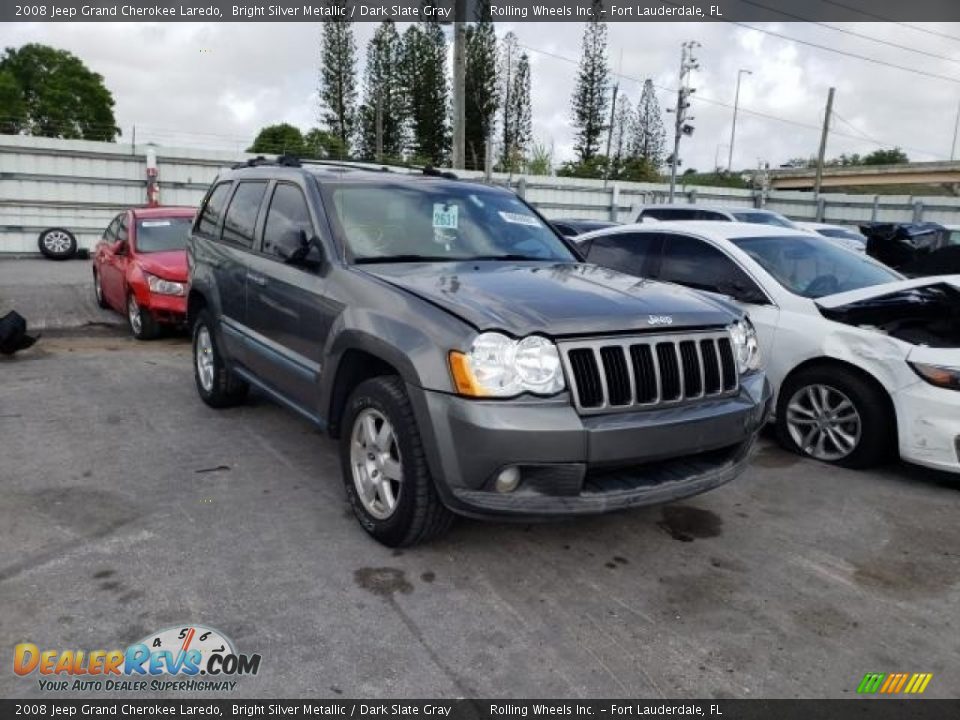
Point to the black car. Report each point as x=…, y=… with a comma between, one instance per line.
x=914, y=249
x=465, y=357
x=571, y=227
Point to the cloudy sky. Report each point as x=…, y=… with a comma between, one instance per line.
x=214, y=85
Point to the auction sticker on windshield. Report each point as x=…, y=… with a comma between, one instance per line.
x=168, y=660
x=445, y=216
x=520, y=219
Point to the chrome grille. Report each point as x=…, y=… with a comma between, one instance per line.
x=617, y=374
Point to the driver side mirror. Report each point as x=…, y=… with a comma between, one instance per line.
x=294, y=248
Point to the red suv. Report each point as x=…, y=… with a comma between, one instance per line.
x=140, y=268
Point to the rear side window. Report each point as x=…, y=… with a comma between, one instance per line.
x=692, y=213
x=626, y=252
x=241, y=219
x=110, y=234
x=692, y=262
x=209, y=219
x=287, y=217
x=123, y=233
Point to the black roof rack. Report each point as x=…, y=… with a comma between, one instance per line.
x=433, y=172
x=294, y=162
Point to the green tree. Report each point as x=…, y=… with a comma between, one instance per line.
x=893, y=156
x=384, y=106
x=58, y=95
x=540, y=161
x=425, y=78
x=13, y=110
x=620, y=137
x=506, y=70
x=338, y=82
x=518, y=124
x=281, y=139
x=590, y=100
x=649, y=139
x=321, y=144
x=595, y=167
x=482, y=90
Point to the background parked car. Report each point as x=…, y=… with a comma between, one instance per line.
x=848, y=237
x=862, y=360
x=140, y=268
x=570, y=227
x=687, y=211
x=914, y=249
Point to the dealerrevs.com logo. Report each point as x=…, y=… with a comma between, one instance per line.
x=190, y=657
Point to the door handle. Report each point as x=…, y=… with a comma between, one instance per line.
x=258, y=279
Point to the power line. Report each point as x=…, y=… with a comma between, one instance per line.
x=852, y=33
x=847, y=53
x=877, y=16
x=858, y=130
x=720, y=103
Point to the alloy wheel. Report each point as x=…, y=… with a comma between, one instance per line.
x=204, y=351
x=57, y=242
x=375, y=463
x=133, y=312
x=823, y=422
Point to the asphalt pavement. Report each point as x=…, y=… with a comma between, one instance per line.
x=128, y=506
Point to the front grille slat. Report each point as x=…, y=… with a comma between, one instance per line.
x=613, y=375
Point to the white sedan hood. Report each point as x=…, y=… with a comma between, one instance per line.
x=875, y=291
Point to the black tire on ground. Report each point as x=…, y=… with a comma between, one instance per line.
x=57, y=243
x=225, y=388
x=146, y=328
x=878, y=438
x=420, y=514
x=98, y=291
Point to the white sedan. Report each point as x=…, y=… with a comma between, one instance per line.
x=862, y=360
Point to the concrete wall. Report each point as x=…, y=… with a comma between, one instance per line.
x=81, y=185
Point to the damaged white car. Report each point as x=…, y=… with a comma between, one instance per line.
x=863, y=361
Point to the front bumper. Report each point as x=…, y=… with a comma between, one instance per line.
x=928, y=421
x=572, y=464
x=168, y=309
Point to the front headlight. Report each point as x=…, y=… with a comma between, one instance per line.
x=746, y=347
x=499, y=366
x=945, y=377
x=164, y=287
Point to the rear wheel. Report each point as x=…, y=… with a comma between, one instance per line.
x=216, y=385
x=141, y=321
x=384, y=467
x=835, y=416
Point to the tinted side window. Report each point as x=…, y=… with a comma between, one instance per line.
x=241, y=219
x=209, y=219
x=671, y=213
x=711, y=215
x=287, y=216
x=110, y=234
x=626, y=252
x=123, y=232
x=692, y=262
x=564, y=230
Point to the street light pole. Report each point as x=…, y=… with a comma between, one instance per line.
x=733, y=129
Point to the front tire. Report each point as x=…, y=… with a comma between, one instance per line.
x=98, y=291
x=836, y=416
x=142, y=323
x=216, y=385
x=385, y=469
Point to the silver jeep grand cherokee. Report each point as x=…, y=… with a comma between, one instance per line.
x=466, y=358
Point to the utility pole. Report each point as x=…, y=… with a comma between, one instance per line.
x=459, y=83
x=688, y=64
x=956, y=127
x=823, y=142
x=733, y=129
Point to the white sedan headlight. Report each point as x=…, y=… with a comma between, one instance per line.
x=499, y=366
x=164, y=287
x=746, y=347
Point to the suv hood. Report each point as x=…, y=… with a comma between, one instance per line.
x=554, y=299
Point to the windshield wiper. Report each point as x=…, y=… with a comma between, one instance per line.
x=508, y=257
x=407, y=258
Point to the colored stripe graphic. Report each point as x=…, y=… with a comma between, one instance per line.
x=894, y=683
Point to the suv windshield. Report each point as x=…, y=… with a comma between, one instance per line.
x=159, y=234
x=440, y=222
x=764, y=218
x=814, y=268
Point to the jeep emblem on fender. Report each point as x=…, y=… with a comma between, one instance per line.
x=660, y=319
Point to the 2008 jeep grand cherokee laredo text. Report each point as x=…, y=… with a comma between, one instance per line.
x=466, y=358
